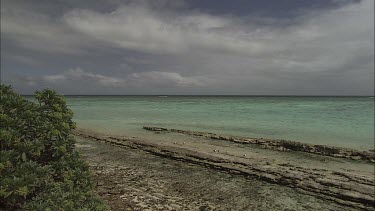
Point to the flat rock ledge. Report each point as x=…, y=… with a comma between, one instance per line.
x=345, y=188
x=281, y=145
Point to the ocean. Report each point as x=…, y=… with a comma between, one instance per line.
x=338, y=121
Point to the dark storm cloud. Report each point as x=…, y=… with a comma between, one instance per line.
x=186, y=47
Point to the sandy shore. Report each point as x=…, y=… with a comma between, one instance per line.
x=331, y=183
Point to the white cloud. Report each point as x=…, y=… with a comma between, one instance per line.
x=144, y=79
x=142, y=29
x=323, y=40
x=164, y=79
x=37, y=32
x=54, y=78
x=79, y=75
x=127, y=28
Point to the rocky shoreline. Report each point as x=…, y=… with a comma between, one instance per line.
x=132, y=179
x=281, y=145
x=346, y=188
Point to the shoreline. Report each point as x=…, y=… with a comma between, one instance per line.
x=352, y=189
x=280, y=145
x=131, y=179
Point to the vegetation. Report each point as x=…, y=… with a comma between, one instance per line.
x=39, y=168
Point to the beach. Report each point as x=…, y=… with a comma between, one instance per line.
x=311, y=149
x=193, y=170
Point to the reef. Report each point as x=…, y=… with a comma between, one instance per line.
x=348, y=188
x=281, y=145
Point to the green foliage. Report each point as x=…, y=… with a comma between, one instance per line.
x=39, y=168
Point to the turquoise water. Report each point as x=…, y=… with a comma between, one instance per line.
x=339, y=121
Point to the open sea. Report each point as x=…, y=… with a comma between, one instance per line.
x=340, y=121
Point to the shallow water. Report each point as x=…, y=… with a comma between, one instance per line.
x=339, y=121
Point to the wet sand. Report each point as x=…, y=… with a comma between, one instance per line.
x=199, y=173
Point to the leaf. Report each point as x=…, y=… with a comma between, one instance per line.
x=23, y=157
x=8, y=194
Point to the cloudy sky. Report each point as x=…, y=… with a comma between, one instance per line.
x=241, y=47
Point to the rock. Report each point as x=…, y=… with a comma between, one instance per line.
x=175, y=206
x=144, y=206
x=208, y=208
x=328, y=184
x=168, y=207
x=152, y=197
x=204, y=208
x=356, y=157
x=281, y=149
x=271, y=143
x=135, y=200
x=159, y=195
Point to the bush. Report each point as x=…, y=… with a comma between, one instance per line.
x=39, y=168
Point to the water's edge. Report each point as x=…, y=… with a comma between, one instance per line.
x=346, y=188
x=281, y=145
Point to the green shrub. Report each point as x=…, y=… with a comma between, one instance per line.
x=39, y=168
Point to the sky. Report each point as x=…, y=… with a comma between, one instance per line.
x=189, y=47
